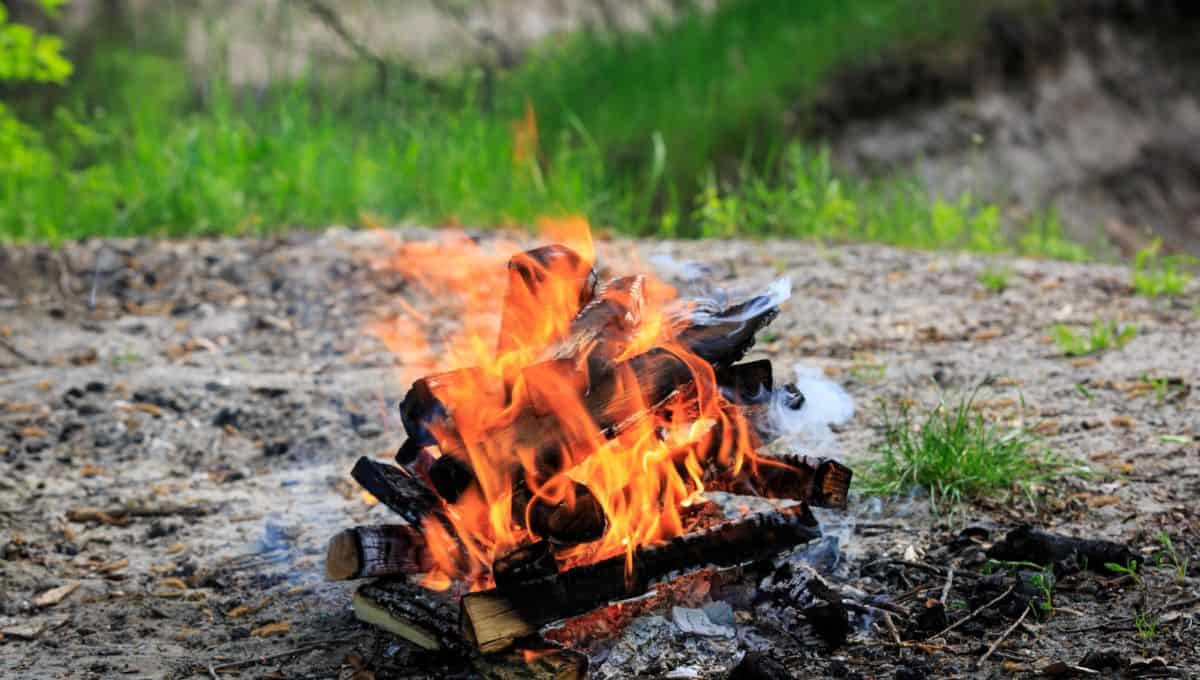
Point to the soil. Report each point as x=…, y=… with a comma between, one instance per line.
x=210, y=396
x=1089, y=108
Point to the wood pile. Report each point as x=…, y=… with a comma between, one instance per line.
x=594, y=354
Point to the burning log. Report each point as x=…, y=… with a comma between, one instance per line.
x=603, y=328
x=405, y=495
x=427, y=618
x=579, y=519
x=1027, y=544
x=525, y=563
x=376, y=551
x=821, y=482
x=551, y=277
x=493, y=619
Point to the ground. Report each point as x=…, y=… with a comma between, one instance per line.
x=221, y=389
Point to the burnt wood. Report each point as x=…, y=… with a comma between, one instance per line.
x=525, y=563
x=604, y=327
x=723, y=337
x=493, y=619
x=386, y=550
x=1066, y=553
x=404, y=494
x=427, y=618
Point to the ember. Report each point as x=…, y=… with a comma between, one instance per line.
x=559, y=467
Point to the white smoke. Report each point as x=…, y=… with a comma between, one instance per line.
x=825, y=404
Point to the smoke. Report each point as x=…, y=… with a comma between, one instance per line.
x=808, y=428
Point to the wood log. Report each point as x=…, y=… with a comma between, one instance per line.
x=404, y=494
x=426, y=618
x=723, y=337
x=553, y=277
x=387, y=550
x=821, y=482
x=580, y=520
x=493, y=619
x=1066, y=553
x=525, y=563
x=605, y=326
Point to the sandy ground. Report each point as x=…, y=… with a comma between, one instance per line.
x=217, y=392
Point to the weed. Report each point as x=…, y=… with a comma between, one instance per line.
x=1147, y=624
x=1155, y=275
x=1085, y=393
x=1102, y=336
x=1169, y=556
x=1128, y=569
x=956, y=454
x=994, y=280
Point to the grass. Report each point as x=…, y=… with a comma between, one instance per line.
x=687, y=136
x=1103, y=336
x=994, y=280
x=954, y=453
x=1157, y=275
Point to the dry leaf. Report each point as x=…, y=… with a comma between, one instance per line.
x=1122, y=421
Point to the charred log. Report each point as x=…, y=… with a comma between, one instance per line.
x=493, y=619
x=451, y=477
x=376, y=551
x=533, y=659
x=404, y=494
x=723, y=337
x=525, y=563
x=1066, y=553
x=821, y=482
x=427, y=618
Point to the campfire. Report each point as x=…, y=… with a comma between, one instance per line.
x=562, y=466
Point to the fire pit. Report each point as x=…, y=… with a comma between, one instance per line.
x=565, y=469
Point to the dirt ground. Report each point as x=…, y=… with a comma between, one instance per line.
x=208, y=398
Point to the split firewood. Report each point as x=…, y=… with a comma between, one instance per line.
x=493, y=619
x=552, y=277
x=426, y=618
x=404, y=494
x=388, y=550
x=1027, y=544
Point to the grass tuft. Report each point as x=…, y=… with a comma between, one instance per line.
x=1103, y=335
x=1156, y=275
x=956, y=454
x=994, y=280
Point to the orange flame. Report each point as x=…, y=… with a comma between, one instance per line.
x=643, y=458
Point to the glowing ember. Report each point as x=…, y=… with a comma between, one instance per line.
x=591, y=395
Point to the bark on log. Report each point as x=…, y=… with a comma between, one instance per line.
x=427, y=618
x=1027, y=544
x=387, y=550
x=403, y=494
x=493, y=619
x=526, y=563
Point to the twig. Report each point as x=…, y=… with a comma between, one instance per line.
x=212, y=672
x=864, y=608
x=12, y=349
x=975, y=613
x=275, y=657
x=1002, y=637
x=946, y=588
x=891, y=626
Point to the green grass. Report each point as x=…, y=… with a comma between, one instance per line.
x=678, y=131
x=994, y=280
x=1156, y=275
x=1102, y=336
x=955, y=454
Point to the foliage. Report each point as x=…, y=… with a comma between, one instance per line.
x=954, y=453
x=1169, y=556
x=1155, y=275
x=143, y=150
x=1103, y=335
